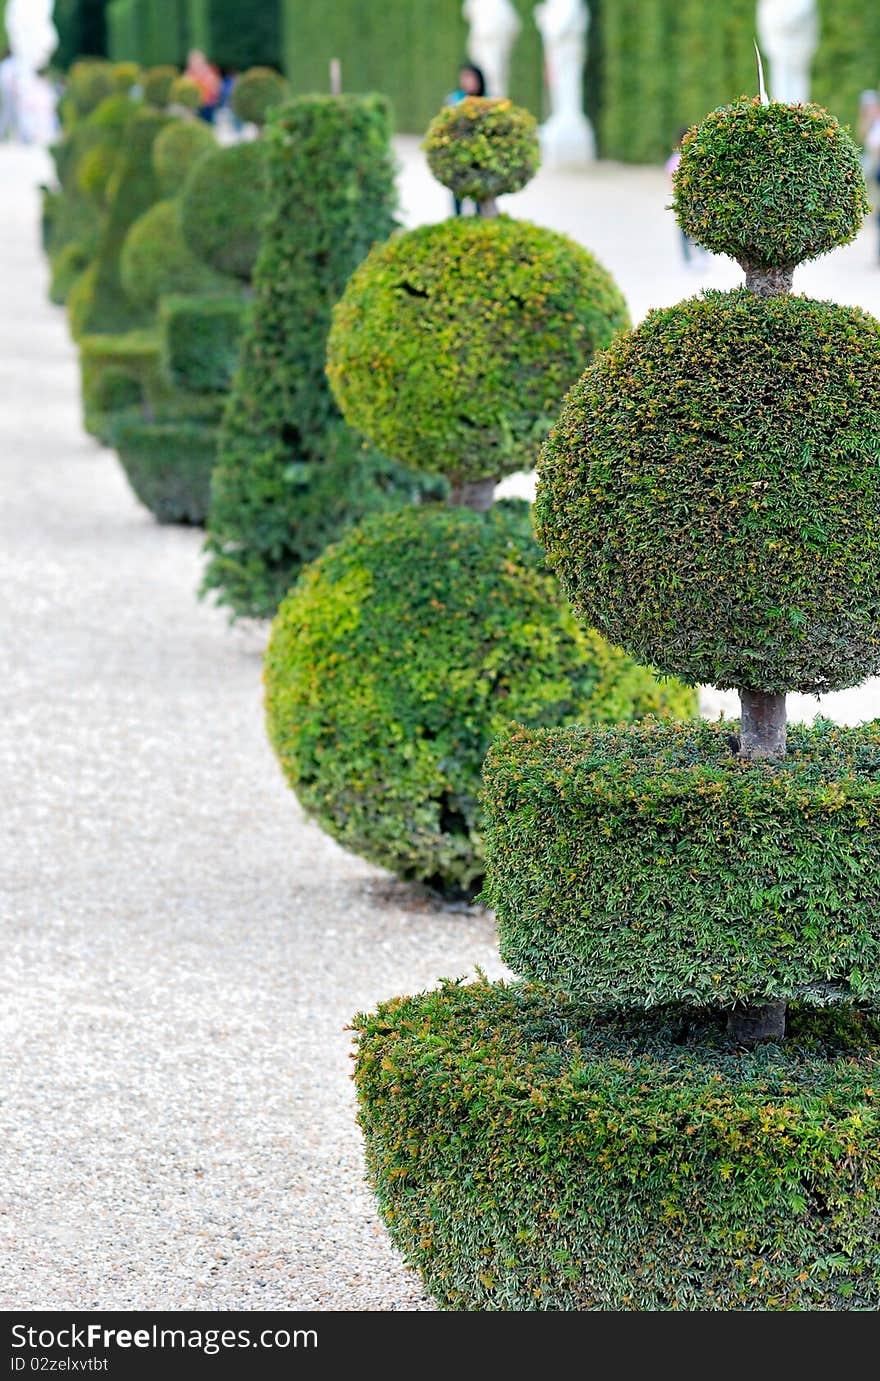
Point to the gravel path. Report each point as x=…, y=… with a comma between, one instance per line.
x=181, y=949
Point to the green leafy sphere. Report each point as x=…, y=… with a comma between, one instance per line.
x=224, y=203
x=710, y=497
x=770, y=185
x=124, y=76
x=186, y=92
x=482, y=148
x=399, y=654
x=89, y=82
x=529, y=1155
x=255, y=92
x=157, y=84
x=156, y=260
x=454, y=343
x=176, y=150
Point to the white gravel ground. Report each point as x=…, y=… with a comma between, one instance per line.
x=181, y=951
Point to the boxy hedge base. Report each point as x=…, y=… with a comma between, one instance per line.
x=168, y=465
x=528, y=1155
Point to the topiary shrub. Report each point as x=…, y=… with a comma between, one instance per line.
x=255, y=92
x=89, y=82
x=288, y=479
x=200, y=339
x=98, y=302
x=453, y=344
x=157, y=85
x=117, y=372
x=482, y=148
x=124, y=76
x=645, y=865
x=67, y=266
x=223, y=207
x=529, y=1155
x=156, y=260
x=168, y=464
x=176, y=149
x=770, y=185
x=381, y=741
x=705, y=435
x=187, y=94
x=94, y=171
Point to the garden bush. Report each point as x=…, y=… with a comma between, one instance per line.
x=89, y=82
x=118, y=371
x=157, y=85
x=483, y=148
x=199, y=340
x=770, y=185
x=67, y=265
x=453, y=345
x=529, y=1155
x=390, y=668
x=156, y=260
x=289, y=478
x=175, y=151
x=648, y=864
x=256, y=92
x=98, y=302
x=223, y=207
x=124, y=76
x=710, y=496
x=186, y=93
x=168, y=464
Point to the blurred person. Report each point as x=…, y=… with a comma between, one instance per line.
x=693, y=254
x=869, y=133
x=207, y=78
x=471, y=82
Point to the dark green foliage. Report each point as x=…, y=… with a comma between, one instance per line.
x=67, y=265
x=157, y=260
x=168, y=464
x=409, y=49
x=483, y=148
x=157, y=84
x=649, y=864
x=770, y=185
x=454, y=344
x=256, y=92
x=284, y=484
x=199, y=341
x=99, y=303
x=80, y=26
x=710, y=496
x=223, y=207
x=234, y=37
x=400, y=653
x=528, y=1155
x=175, y=151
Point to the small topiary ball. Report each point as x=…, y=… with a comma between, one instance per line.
x=224, y=202
x=176, y=149
x=710, y=496
x=124, y=76
x=157, y=85
x=89, y=82
x=482, y=148
x=770, y=185
x=401, y=652
x=255, y=92
x=454, y=343
x=156, y=259
x=186, y=92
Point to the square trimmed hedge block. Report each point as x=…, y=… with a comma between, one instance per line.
x=199, y=340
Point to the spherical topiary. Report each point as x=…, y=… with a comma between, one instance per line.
x=482, y=148
x=176, y=150
x=224, y=202
x=529, y=1155
x=255, y=92
x=398, y=655
x=124, y=76
x=89, y=82
x=157, y=260
x=157, y=85
x=95, y=170
x=770, y=185
x=710, y=496
x=186, y=92
x=646, y=864
x=454, y=343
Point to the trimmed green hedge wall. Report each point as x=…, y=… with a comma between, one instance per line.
x=408, y=49
x=237, y=35
x=151, y=32
x=81, y=26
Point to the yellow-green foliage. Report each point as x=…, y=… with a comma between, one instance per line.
x=400, y=653
x=482, y=148
x=175, y=151
x=156, y=259
x=454, y=344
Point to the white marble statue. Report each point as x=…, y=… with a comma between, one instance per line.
x=494, y=25
x=788, y=31
x=33, y=39
x=32, y=36
x=567, y=137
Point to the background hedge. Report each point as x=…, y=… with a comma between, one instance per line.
x=232, y=33
x=82, y=30
x=528, y=1155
